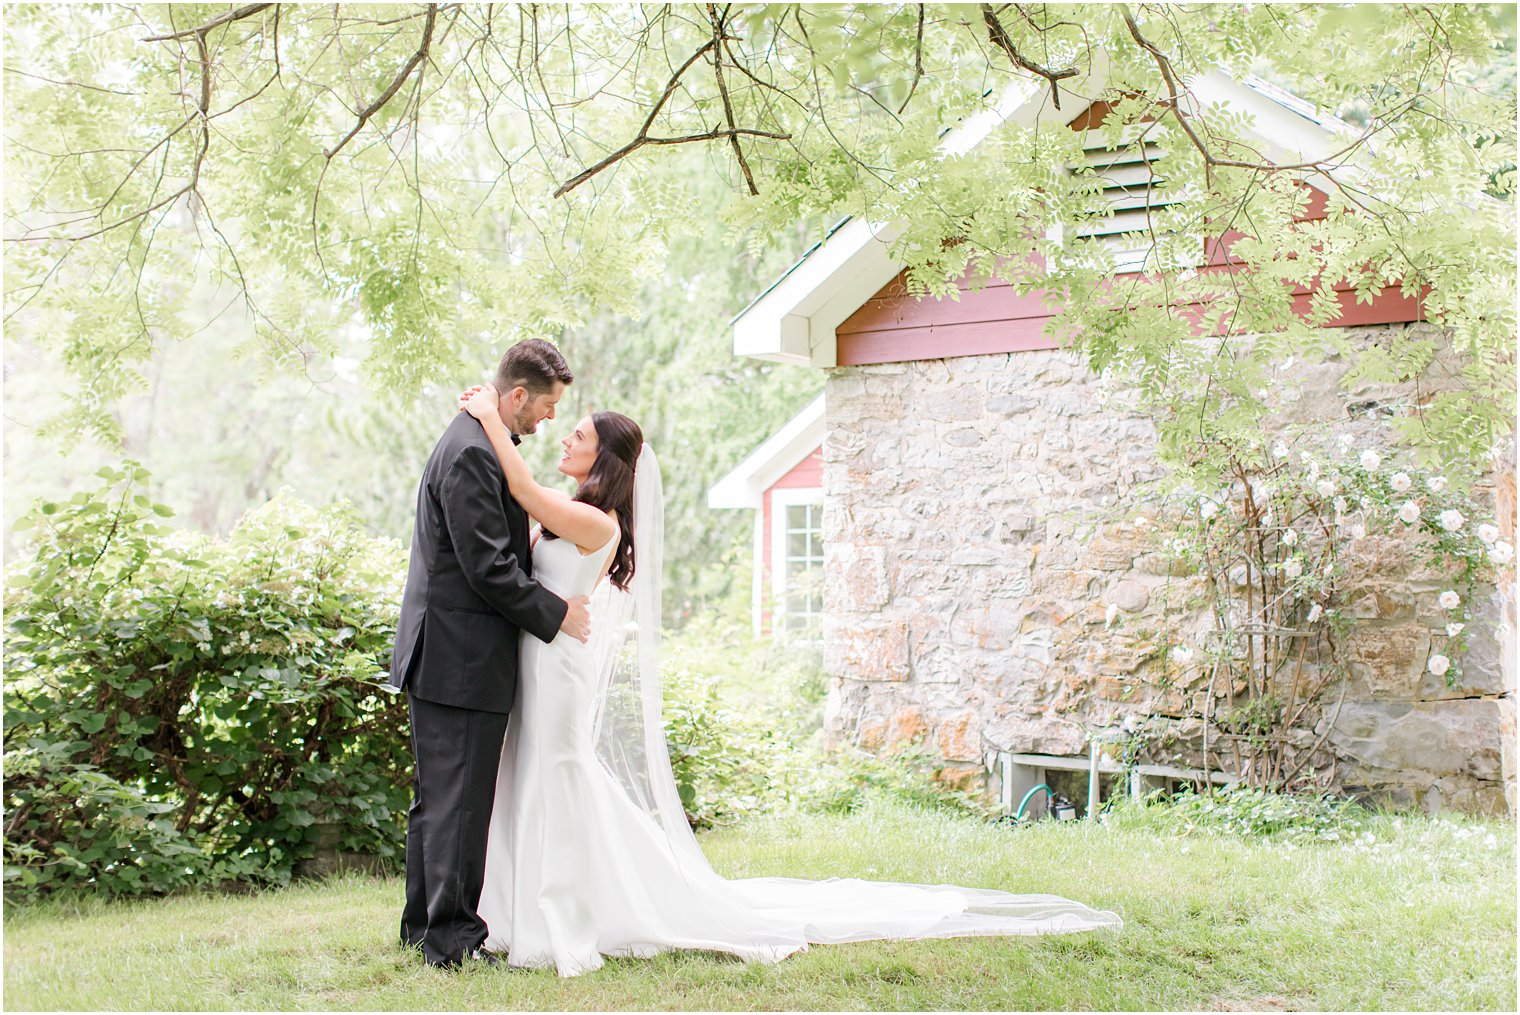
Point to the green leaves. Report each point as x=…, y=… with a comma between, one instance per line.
x=189, y=711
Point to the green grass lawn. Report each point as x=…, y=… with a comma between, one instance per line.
x=1413, y=914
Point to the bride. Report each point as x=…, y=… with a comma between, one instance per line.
x=590, y=853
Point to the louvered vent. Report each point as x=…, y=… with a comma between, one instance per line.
x=1131, y=175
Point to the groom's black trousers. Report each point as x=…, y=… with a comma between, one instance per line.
x=457, y=753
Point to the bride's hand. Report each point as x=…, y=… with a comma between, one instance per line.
x=479, y=401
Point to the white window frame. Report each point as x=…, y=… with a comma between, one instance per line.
x=781, y=499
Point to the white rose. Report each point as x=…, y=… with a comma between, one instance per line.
x=1313, y=471
x=1325, y=488
x=1449, y=600
x=1340, y=505
x=1358, y=531
x=1279, y=450
x=1488, y=533
x=1371, y=460
x=1207, y=509
x=1452, y=630
x=1314, y=612
x=1409, y=512
x=1502, y=552
x=1289, y=537
x=1401, y=482
x=1293, y=567
x=1436, y=483
x=1439, y=664
x=1451, y=519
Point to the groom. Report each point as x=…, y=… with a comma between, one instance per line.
x=469, y=591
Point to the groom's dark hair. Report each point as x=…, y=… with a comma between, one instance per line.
x=535, y=365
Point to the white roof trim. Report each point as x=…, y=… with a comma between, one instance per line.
x=795, y=320
x=782, y=452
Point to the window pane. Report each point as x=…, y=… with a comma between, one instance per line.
x=797, y=516
x=796, y=544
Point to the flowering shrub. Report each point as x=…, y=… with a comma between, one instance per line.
x=180, y=709
x=1282, y=543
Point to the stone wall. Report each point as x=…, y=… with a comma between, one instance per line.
x=980, y=522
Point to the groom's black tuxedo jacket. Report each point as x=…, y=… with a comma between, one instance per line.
x=469, y=588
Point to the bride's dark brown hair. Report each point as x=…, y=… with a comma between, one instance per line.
x=609, y=485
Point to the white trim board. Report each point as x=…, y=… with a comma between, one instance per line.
x=780, y=453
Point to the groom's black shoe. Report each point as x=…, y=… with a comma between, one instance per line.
x=479, y=955
x=489, y=958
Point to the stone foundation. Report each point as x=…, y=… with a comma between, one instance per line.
x=982, y=515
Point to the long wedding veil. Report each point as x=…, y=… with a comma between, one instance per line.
x=767, y=917
x=628, y=728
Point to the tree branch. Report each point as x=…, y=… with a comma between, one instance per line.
x=728, y=107
x=999, y=36
x=642, y=137
x=639, y=142
x=221, y=19
x=1173, y=105
x=918, y=62
x=395, y=85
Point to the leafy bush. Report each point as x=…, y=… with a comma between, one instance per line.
x=1257, y=812
x=179, y=708
x=843, y=781
x=744, y=721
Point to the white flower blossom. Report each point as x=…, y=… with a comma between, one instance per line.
x=1451, y=520
x=1358, y=531
x=1340, y=505
x=1409, y=512
x=1436, y=483
x=1371, y=460
x=1452, y=630
x=1207, y=509
x=1401, y=482
x=1313, y=471
x=1449, y=600
x=1182, y=654
x=1488, y=533
x=1502, y=553
x=1314, y=612
x=1279, y=450
x=1289, y=537
x=1439, y=664
x=1325, y=488
x=1293, y=567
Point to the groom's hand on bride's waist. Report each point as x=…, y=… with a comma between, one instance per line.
x=577, y=622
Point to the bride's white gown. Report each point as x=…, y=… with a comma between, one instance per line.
x=576, y=870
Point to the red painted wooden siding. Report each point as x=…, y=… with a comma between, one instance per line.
x=893, y=327
x=805, y=475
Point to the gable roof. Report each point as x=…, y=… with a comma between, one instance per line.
x=781, y=452
x=795, y=319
